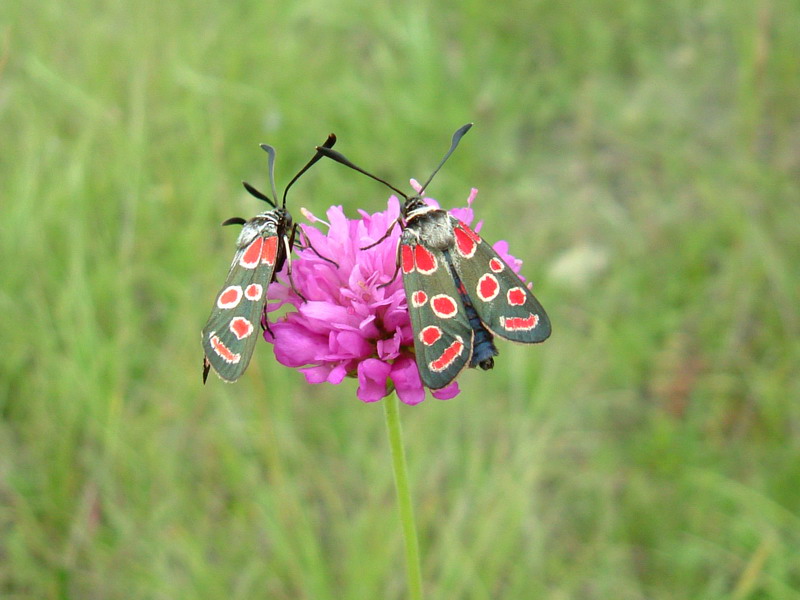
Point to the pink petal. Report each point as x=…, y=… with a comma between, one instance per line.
x=348, y=344
x=317, y=374
x=389, y=349
x=450, y=391
x=295, y=346
x=462, y=214
x=405, y=376
x=324, y=311
x=372, y=374
x=324, y=374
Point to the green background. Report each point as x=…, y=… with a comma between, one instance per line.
x=642, y=157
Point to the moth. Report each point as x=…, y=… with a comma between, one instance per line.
x=263, y=246
x=460, y=293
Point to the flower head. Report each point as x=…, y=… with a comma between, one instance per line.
x=351, y=324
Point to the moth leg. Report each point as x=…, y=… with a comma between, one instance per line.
x=383, y=237
x=206, y=368
x=396, y=266
x=288, y=249
x=265, y=321
x=307, y=244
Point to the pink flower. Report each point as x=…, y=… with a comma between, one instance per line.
x=349, y=325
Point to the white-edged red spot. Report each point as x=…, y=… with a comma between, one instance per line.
x=230, y=297
x=253, y=292
x=222, y=350
x=418, y=299
x=444, y=306
x=270, y=250
x=488, y=287
x=465, y=242
x=430, y=335
x=519, y=323
x=424, y=260
x=475, y=237
x=496, y=265
x=516, y=296
x=252, y=254
x=448, y=357
x=240, y=327
x=407, y=258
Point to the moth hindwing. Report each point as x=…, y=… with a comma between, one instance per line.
x=460, y=293
x=264, y=244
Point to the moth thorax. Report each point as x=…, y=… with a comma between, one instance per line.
x=265, y=222
x=415, y=207
x=433, y=226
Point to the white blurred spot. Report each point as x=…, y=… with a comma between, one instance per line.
x=577, y=266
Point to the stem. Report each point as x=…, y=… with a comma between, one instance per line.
x=395, y=431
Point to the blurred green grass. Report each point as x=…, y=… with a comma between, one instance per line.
x=642, y=157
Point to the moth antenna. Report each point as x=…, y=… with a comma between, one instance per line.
x=328, y=144
x=261, y=196
x=453, y=144
x=340, y=158
x=271, y=151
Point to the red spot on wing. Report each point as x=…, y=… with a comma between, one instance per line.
x=496, y=265
x=488, y=287
x=430, y=335
x=241, y=327
x=270, y=250
x=444, y=306
x=448, y=357
x=474, y=236
x=252, y=254
x=230, y=297
x=424, y=259
x=519, y=323
x=419, y=298
x=407, y=258
x=253, y=292
x=516, y=296
x=465, y=243
x=222, y=350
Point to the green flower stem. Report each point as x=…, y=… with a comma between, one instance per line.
x=395, y=430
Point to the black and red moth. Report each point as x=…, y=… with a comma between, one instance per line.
x=264, y=244
x=460, y=293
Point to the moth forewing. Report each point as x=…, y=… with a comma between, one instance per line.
x=442, y=334
x=502, y=300
x=230, y=335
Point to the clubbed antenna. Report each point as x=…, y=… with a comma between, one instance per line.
x=341, y=158
x=271, y=151
x=261, y=195
x=253, y=191
x=328, y=144
x=456, y=139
